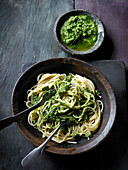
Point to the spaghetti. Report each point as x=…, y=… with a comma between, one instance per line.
x=74, y=102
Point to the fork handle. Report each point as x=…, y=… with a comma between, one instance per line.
x=9, y=120
x=34, y=154
x=6, y=122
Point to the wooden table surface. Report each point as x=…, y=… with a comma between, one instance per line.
x=26, y=36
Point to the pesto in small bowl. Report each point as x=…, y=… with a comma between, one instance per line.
x=79, y=32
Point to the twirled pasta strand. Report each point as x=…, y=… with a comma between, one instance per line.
x=74, y=102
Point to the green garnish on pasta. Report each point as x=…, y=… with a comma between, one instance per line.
x=74, y=102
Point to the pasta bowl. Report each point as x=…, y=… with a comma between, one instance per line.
x=65, y=65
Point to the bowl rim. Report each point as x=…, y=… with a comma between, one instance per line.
x=70, y=51
x=97, y=140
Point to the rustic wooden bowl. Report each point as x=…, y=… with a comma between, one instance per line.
x=65, y=65
x=59, y=23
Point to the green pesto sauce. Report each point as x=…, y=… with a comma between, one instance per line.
x=79, y=32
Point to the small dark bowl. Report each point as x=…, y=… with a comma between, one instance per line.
x=65, y=65
x=59, y=23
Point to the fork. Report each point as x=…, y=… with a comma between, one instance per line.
x=19, y=116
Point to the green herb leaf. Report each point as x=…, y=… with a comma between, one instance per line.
x=74, y=134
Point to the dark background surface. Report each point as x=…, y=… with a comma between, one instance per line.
x=114, y=15
x=26, y=36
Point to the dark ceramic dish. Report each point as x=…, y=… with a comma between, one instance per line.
x=65, y=65
x=59, y=23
